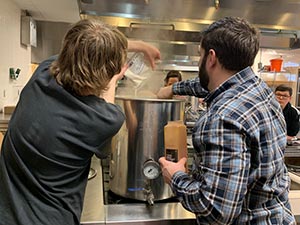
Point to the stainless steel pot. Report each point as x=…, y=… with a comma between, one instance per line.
x=134, y=169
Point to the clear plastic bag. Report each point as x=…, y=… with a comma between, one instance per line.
x=138, y=71
x=137, y=63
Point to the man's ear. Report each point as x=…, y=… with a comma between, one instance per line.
x=211, y=58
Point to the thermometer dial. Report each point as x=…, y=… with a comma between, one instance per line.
x=151, y=169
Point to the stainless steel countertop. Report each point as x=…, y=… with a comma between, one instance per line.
x=95, y=212
x=4, y=120
x=292, y=151
x=93, y=206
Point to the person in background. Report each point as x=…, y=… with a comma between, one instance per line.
x=65, y=115
x=239, y=175
x=283, y=95
x=172, y=77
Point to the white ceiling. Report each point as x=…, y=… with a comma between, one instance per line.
x=51, y=10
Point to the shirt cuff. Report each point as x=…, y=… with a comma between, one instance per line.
x=177, y=178
x=175, y=88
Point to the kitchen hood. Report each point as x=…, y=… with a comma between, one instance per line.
x=174, y=25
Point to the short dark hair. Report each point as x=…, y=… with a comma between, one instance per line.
x=173, y=73
x=283, y=87
x=235, y=41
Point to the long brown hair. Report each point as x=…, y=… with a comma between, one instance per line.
x=92, y=52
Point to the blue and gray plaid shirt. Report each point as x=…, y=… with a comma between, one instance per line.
x=239, y=175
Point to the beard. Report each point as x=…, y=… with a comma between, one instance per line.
x=203, y=76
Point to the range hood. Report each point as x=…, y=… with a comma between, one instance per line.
x=174, y=25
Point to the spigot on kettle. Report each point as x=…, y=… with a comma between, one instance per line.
x=148, y=193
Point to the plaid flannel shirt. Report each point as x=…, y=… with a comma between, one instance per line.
x=239, y=175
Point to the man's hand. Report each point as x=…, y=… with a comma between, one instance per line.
x=109, y=94
x=151, y=53
x=170, y=168
x=120, y=75
x=165, y=92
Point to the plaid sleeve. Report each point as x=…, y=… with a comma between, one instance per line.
x=189, y=87
x=216, y=192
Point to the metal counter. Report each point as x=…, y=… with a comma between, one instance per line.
x=96, y=213
x=292, y=151
x=4, y=120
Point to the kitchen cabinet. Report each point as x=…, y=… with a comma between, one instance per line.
x=28, y=31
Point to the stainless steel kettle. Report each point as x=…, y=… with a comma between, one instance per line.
x=134, y=168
